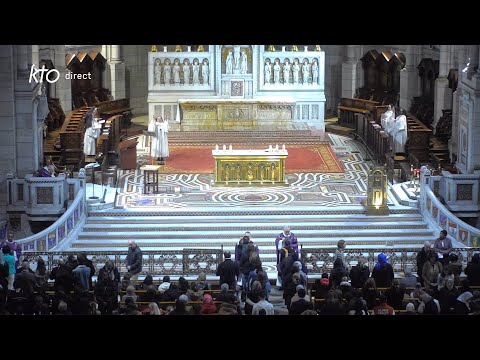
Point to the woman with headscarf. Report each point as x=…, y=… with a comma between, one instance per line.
x=383, y=272
x=462, y=306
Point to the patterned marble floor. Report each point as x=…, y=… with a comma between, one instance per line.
x=306, y=189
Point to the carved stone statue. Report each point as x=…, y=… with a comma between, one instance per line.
x=317, y=48
x=205, y=72
x=154, y=48
x=157, y=71
x=305, y=72
x=295, y=70
x=196, y=70
x=276, y=72
x=236, y=56
x=244, y=65
x=186, y=72
x=200, y=48
x=267, y=71
x=167, y=72
x=176, y=72
x=271, y=48
x=315, y=71
x=178, y=48
x=294, y=48
x=229, y=63
x=286, y=71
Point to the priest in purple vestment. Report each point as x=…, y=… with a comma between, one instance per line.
x=280, y=239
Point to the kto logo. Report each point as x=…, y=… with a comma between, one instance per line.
x=51, y=75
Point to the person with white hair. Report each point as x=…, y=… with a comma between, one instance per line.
x=422, y=259
x=286, y=234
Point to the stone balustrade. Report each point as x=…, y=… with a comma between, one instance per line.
x=438, y=215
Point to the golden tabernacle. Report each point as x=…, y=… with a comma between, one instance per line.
x=250, y=167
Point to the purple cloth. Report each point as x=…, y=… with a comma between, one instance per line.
x=282, y=237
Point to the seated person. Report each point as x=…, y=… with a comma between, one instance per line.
x=47, y=171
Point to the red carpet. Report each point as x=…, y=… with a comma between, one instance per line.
x=301, y=158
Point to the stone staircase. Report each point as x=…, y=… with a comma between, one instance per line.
x=178, y=229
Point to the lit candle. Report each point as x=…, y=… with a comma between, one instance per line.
x=230, y=147
x=216, y=147
x=224, y=147
x=269, y=148
x=283, y=148
x=276, y=148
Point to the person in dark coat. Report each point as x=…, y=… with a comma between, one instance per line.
x=229, y=271
x=422, y=257
x=338, y=272
x=383, y=272
x=473, y=270
x=359, y=274
x=62, y=275
x=134, y=260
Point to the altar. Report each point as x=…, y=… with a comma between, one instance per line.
x=250, y=167
x=237, y=114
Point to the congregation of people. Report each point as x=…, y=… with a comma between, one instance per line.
x=74, y=286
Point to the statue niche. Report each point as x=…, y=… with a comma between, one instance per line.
x=236, y=59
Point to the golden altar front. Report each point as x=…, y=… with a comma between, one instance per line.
x=250, y=167
x=237, y=114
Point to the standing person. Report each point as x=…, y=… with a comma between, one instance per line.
x=339, y=254
x=159, y=144
x=229, y=271
x=383, y=272
x=134, y=259
x=280, y=239
x=9, y=260
x=422, y=259
x=443, y=247
x=14, y=247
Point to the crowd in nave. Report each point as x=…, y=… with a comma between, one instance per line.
x=242, y=286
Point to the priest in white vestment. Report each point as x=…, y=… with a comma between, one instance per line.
x=159, y=143
x=90, y=139
x=387, y=119
x=399, y=133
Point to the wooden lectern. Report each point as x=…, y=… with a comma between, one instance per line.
x=128, y=154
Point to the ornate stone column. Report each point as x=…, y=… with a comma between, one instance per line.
x=443, y=94
x=117, y=72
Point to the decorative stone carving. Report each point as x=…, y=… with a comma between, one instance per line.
x=157, y=72
x=186, y=72
x=271, y=48
x=464, y=191
x=244, y=62
x=229, y=63
x=196, y=71
x=205, y=72
x=315, y=71
x=154, y=48
x=167, y=72
x=276, y=72
x=178, y=48
x=296, y=71
x=176, y=71
x=200, y=48
x=267, y=71
x=286, y=71
x=45, y=195
x=305, y=72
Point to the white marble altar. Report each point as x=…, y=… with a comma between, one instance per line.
x=238, y=71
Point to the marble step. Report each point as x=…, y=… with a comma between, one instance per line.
x=240, y=227
x=291, y=219
x=234, y=234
